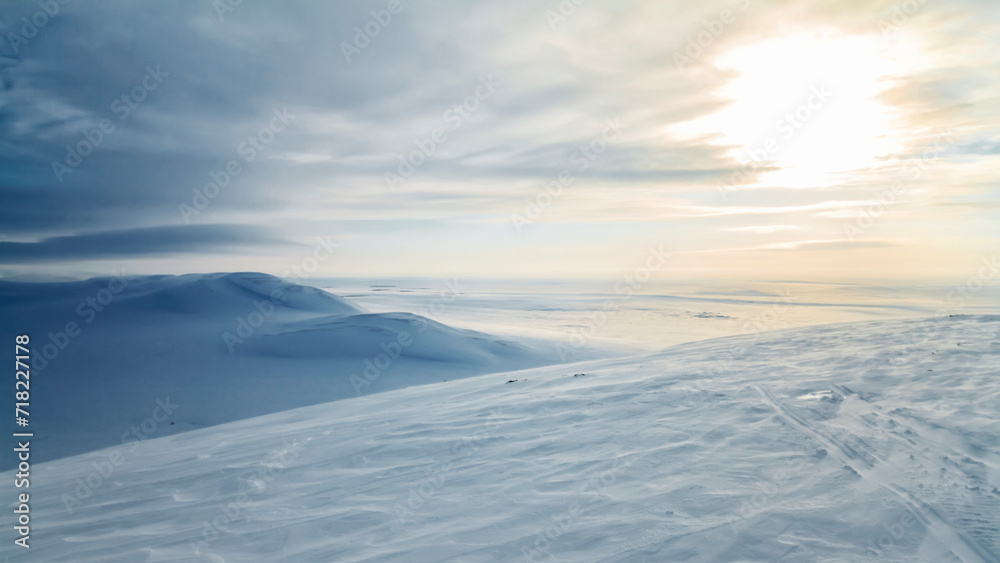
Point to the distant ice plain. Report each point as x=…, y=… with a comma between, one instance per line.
x=657, y=314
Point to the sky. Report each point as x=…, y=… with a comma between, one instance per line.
x=747, y=139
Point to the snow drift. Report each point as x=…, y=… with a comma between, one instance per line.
x=854, y=442
x=131, y=358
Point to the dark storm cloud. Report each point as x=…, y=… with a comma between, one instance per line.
x=135, y=242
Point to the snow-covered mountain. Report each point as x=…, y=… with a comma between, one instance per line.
x=130, y=358
x=852, y=442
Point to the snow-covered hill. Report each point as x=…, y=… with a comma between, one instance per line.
x=866, y=441
x=132, y=358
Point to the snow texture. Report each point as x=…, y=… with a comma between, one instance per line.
x=872, y=441
x=221, y=347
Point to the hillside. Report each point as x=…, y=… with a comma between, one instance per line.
x=848, y=442
x=182, y=352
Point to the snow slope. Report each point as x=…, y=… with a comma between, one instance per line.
x=197, y=350
x=852, y=442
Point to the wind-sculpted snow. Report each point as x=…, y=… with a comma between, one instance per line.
x=122, y=359
x=853, y=442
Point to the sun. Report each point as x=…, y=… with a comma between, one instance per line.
x=807, y=106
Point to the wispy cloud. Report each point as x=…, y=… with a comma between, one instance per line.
x=558, y=86
x=139, y=242
x=764, y=229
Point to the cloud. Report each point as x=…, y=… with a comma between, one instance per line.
x=822, y=245
x=764, y=229
x=825, y=245
x=222, y=78
x=137, y=242
x=705, y=211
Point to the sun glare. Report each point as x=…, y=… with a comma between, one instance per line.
x=806, y=105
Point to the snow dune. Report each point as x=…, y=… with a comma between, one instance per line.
x=873, y=441
x=124, y=359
